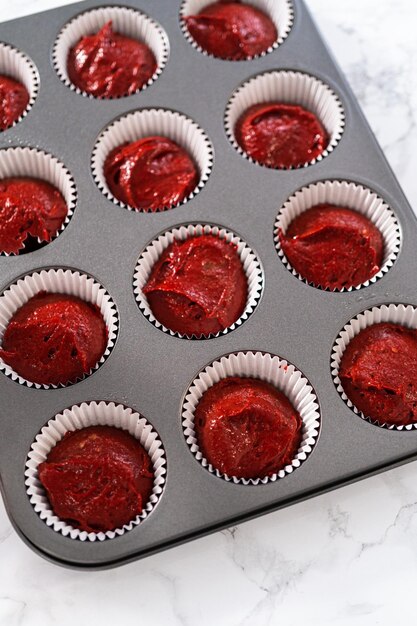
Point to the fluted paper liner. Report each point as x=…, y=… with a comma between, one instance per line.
x=151, y=254
x=126, y=21
x=281, y=12
x=403, y=314
x=63, y=281
x=291, y=88
x=272, y=369
x=146, y=123
x=34, y=163
x=76, y=418
x=351, y=196
x=17, y=65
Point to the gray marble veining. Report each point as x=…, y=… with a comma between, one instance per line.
x=348, y=558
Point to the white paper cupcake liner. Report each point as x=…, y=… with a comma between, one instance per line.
x=403, y=314
x=250, y=262
x=281, y=13
x=272, y=369
x=63, y=281
x=292, y=88
x=351, y=196
x=126, y=21
x=34, y=163
x=145, y=123
x=17, y=65
x=76, y=418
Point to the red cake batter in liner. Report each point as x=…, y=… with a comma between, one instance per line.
x=378, y=372
x=97, y=478
x=281, y=135
x=197, y=286
x=333, y=247
x=14, y=99
x=150, y=174
x=247, y=428
x=54, y=339
x=28, y=208
x=232, y=30
x=110, y=65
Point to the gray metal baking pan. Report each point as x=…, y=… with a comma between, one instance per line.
x=149, y=370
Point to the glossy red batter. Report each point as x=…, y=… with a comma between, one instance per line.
x=14, y=99
x=232, y=30
x=110, y=65
x=97, y=478
x=28, y=208
x=247, y=428
x=281, y=135
x=150, y=174
x=378, y=372
x=54, y=338
x=197, y=286
x=333, y=247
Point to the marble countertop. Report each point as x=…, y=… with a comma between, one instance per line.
x=345, y=558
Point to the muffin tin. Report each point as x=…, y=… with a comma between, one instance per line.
x=150, y=371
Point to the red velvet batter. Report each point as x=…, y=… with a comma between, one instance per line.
x=333, y=247
x=97, y=478
x=281, y=135
x=28, y=208
x=197, y=286
x=110, y=65
x=150, y=174
x=14, y=99
x=378, y=372
x=247, y=428
x=232, y=30
x=54, y=338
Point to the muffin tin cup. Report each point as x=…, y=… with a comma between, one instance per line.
x=272, y=369
x=145, y=123
x=349, y=195
x=403, y=314
x=287, y=323
x=62, y=281
x=288, y=87
x=76, y=418
x=15, y=64
x=126, y=21
x=250, y=262
x=34, y=163
x=281, y=13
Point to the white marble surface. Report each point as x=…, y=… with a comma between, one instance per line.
x=346, y=558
